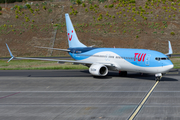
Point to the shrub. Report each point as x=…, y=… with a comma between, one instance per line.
x=71, y=7
x=50, y=10
x=0, y=13
x=32, y=11
x=19, y=8
x=28, y=6
x=36, y=10
x=172, y=33
x=91, y=7
x=95, y=5
x=78, y=2
x=84, y=5
x=105, y=6
x=110, y=6
x=16, y=11
x=27, y=19
x=75, y=12
x=0, y=8
x=17, y=16
x=44, y=7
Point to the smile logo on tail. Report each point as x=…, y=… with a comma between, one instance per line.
x=70, y=38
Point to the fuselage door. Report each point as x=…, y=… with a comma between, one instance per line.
x=147, y=61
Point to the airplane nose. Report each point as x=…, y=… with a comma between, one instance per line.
x=169, y=67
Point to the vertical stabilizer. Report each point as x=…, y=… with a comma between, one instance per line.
x=170, y=48
x=71, y=34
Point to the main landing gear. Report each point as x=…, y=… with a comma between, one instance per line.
x=123, y=73
x=158, y=76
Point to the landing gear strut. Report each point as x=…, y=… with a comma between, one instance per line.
x=123, y=73
x=158, y=76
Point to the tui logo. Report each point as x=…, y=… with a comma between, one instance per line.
x=70, y=36
x=139, y=56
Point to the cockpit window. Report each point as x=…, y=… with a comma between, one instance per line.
x=158, y=59
x=163, y=58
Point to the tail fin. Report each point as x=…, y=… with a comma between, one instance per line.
x=71, y=34
x=170, y=49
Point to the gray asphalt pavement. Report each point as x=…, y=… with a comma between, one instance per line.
x=76, y=95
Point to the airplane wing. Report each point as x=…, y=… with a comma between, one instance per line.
x=170, y=49
x=57, y=60
x=66, y=50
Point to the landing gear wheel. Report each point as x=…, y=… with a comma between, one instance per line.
x=158, y=76
x=123, y=73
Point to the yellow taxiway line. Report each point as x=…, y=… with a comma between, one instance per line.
x=142, y=103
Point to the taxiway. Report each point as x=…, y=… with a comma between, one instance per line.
x=76, y=95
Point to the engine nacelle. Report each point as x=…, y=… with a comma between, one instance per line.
x=98, y=70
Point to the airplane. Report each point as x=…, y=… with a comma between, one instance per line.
x=101, y=60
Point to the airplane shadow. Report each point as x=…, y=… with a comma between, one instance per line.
x=143, y=76
x=82, y=73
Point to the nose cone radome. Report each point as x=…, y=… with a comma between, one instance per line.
x=168, y=67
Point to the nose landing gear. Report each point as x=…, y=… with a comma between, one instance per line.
x=158, y=76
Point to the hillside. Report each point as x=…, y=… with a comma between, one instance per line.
x=146, y=24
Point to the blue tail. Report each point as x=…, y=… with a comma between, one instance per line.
x=71, y=34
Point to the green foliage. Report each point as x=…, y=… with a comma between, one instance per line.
x=0, y=8
x=172, y=33
x=84, y=5
x=44, y=3
x=91, y=7
x=31, y=10
x=17, y=16
x=49, y=10
x=0, y=13
x=44, y=7
x=16, y=11
x=105, y=6
x=19, y=8
x=100, y=17
x=86, y=10
x=36, y=10
x=27, y=19
x=78, y=2
x=102, y=0
x=75, y=12
x=71, y=7
x=28, y=6
x=111, y=6
x=95, y=6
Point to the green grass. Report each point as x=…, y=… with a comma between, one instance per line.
x=176, y=62
x=36, y=65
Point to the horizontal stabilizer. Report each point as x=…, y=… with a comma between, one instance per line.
x=9, y=53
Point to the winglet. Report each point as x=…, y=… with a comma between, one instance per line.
x=9, y=53
x=170, y=49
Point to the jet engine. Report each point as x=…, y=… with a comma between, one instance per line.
x=98, y=70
